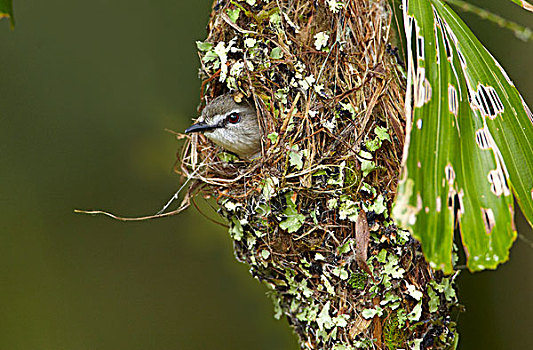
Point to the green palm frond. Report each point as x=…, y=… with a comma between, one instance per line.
x=469, y=146
x=6, y=10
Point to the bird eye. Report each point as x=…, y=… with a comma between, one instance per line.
x=234, y=118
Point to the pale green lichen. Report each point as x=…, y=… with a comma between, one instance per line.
x=236, y=231
x=371, y=312
x=250, y=42
x=319, y=257
x=231, y=206
x=379, y=206
x=340, y=272
x=204, y=46
x=293, y=220
x=269, y=187
x=374, y=144
x=296, y=157
x=334, y=5
x=415, y=314
x=236, y=71
x=221, y=50
x=304, y=82
x=367, y=164
x=368, y=188
x=233, y=14
x=265, y=254
x=392, y=268
x=276, y=53
x=321, y=40
x=348, y=209
x=327, y=284
x=391, y=300
x=346, y=247
x=275, y=19
x=434, y=300
x=281, y=95
x=414, y=292
x=273, y=137
x=323, y=319
x=350, y=109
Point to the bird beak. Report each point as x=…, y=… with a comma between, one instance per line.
x=198, y=127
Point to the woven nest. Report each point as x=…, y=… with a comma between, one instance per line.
x=308, y=213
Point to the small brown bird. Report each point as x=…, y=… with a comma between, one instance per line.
x=231, y=125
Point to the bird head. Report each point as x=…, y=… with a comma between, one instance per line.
x=231, y=125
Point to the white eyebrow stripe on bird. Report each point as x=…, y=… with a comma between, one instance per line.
x=220, y=119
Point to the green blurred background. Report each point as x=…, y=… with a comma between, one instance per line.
x=86, y=91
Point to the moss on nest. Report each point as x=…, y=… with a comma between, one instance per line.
x=330, y=104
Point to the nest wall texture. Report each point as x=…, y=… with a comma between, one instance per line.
x=311, y=215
